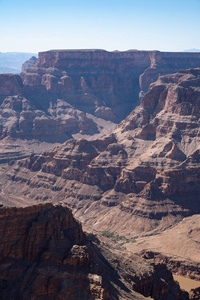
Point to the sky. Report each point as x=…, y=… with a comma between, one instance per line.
x=41, y=25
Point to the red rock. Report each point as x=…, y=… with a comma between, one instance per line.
x=104, y=79
x=10, y=84
x=148, y=168
x=45, y=254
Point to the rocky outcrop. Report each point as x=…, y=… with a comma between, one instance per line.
x=45, y=254
x=146, y=171
x=30, y=112
x=20, y=118
x=176, y=265
x=103, y=83
x=29, y=63
x=166, y=63
x=10, y=84
x=81, y=93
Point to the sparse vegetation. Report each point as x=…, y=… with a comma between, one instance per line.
x=117, y=238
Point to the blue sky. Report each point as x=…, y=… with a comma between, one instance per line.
x=40, y=25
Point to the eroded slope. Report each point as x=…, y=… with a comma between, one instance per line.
x=141, y=179
x=45, y=254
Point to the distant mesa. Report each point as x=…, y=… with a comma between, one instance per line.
x=80, y=93
x=192, y=50
x=29, y=63
x=11, y=62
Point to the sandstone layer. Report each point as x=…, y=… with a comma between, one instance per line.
x=28, y=114
x=145, y=172
x=79, y=93
x=106, y=84
x=140, y=180
x=45, y=254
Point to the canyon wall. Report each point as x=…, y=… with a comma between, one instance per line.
x=80, y=93
x=97, y=79
x=45, y=254
x=147, y=169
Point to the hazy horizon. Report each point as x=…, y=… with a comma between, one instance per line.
x=36, y=53
x=171, y=26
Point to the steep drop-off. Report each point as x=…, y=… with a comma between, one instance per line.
x=76, y=94
x=146, y=172
x=44, y=254
x=106, y=84
x=77, y=91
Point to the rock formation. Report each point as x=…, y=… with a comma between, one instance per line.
x=10, y=85
x=27, y=113
x=146, y=171
x=79, y=93
x=19, y=118
x=45, y=254
x=138, y=180
x=106, y=84
x=194, y=294
x=28, y=63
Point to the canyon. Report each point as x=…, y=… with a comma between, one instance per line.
x=44, y=254
x=114, y=137
x=80, y=93
x=146, y=169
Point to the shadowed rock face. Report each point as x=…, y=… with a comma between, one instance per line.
x=80, y=93
x=10, y=85
x=146, y=172
x=19, y=118
x=96, y=80
x=44, y=254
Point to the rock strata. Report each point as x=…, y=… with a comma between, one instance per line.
x=103, y=83
x=29, y=63
x=45, y=254
x=81, y=93
x=20, y=118
x=10, y=84
x=146, y=171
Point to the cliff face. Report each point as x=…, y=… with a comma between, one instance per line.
x=80, y=93
x=45, y=254
x=146, y=171
x=96, y=79
x=91, y=79
x=28, y=63
x=10, y=85
x=166, y=63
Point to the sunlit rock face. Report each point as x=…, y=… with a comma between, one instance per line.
x=146, y=172
x=94, y=79
x=80, y=93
